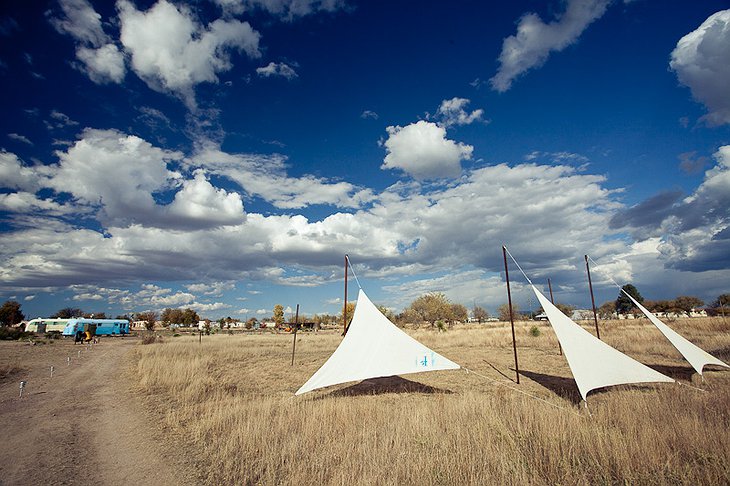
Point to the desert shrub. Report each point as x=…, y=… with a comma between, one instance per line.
x=534, y=331
x=176, y=335
x=14, y=333
x=440, y=326
x=149, y=339
x=8, y=370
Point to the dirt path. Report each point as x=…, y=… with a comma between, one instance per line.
x=83, y=426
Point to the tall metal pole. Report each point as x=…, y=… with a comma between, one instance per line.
x=511, y=318
x=344, y=307
x=722, y=308
x=553, y=302
x=296, y=326
x=593, y=300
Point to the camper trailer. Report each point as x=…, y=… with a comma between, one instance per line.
x=40, y=324
x=87, y=328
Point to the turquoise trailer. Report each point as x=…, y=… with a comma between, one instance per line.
x=96, y=327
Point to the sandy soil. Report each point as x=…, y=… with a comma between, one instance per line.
x=84, y=425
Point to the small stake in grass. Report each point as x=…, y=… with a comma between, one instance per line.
x=51, y=371
x=79, y=353
x=22, y=387
x=68, y=360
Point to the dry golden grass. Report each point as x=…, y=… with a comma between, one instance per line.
x=232, y=398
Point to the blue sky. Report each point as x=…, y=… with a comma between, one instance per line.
x=224, y=155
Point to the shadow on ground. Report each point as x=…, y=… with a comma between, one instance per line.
x=676, y=372
x=561, y=386
x=722, y=354
x=388, y=384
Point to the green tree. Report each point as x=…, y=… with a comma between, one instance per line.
x=566, y=309
x=171, y=316
x=721, y=305
x=68, y=313
x=10, y=313
x=607, y=309
x=189, y=317
x=659, y=305
x=459, y=313
x=723, y=300
x=278, y=315
x=149, y=318
x=623, y=303
x=503, y=312
x=386, y=312
x=350, y=311
x=685, y=303
x=432, y=307
x=480, y=314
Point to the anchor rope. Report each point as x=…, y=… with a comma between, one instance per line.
x=349, y=264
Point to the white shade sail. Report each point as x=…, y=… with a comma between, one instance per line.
x=374, y=347
x=696, y=356
x=594, y=364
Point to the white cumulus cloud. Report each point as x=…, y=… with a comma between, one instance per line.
x=117, y=172
x=422, y=150
x=103, y=64
x=452, y=112
x=531, y=46
x=702, y=62
x=14, y=175
x=173, y=53
x=101, y=59
x=198, y=200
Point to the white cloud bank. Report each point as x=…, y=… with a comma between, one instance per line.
x=693, y=233
x=288, y=10
x=265, y=177
x=549, y=216
x=531, y=46
x=702, y=63
x=274, y=69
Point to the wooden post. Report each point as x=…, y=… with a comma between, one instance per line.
x=593, y=300
x=511, y=318
x=296, y=326
x=344, y=307
x=560, y=348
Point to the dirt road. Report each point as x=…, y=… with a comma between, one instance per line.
x=83, y=425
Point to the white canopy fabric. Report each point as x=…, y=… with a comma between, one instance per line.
x=696, y=356
x=594, y=364
x=374, y=347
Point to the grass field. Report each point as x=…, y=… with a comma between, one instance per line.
x=231, y=399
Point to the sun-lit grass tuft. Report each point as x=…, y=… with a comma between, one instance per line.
x=232, y=398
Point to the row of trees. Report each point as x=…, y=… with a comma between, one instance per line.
x=186, y=317
x=683, y=304
x=432, y=308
